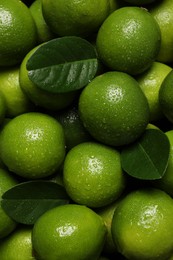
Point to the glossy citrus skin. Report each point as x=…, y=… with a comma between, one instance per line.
x=150, y=82
x=162, y=12
x=43, y=31
x=114, y=109
x=129, y=40
x=166, y=96
x=71, y=17
x=17, y=30
x=7, y=225
x=142, y=226
x=39, y=97
x=92, y=174
x=17, y=245
x=71, y=232
x=15, y=99
x=32, y=145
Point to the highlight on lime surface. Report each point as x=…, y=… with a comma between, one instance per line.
x=7, y=224
x=93, y=175
x=142, y=225
x=71, y=230
x=40, y=97
x=80, y=18
x=129, y=40
x=18, y=32
x=114, y=109
x=32, y=145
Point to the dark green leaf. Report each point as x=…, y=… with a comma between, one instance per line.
x=63, y=64
x=27, y=201
x=147, y=158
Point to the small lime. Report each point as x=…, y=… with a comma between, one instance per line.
x=142, y=225
x=129, y=40
x=114, y=109
x=71, y=231
x=32, y=145
x=93, y=175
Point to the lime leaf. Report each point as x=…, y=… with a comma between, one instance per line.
x=27, y=201
x=63, y=64
x=147, y=158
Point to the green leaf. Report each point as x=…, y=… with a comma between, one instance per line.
x=27, y=201
x=63, y=64
x=147, y=158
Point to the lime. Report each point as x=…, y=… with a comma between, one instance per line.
x=18, y=32
x=114, y=109
x=32, y=145
x=129, y=40
x=142, y=225
x=16, y=100
x=166, y=96
x=140, y=2
x=75, y=132
x=71, y=17
x=7, y=224
x=107, y=213
x=39, y=97
x=162, y=12
x=43, y=31
x=3, y=108
x=69, y=232
x=18, y=245
x=93, y=175
x=150, y=82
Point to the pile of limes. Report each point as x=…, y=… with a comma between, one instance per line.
x=74, y=138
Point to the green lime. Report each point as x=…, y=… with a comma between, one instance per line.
x=107, y=213
x=16, y=100
x=166, y=96
x=18, y=245
x=114, y=109
x=150, y=82
x=162, y=13
x=17, y=30
x=75, y=132
x=43, y=31
x=129, y=40
x=32, y=145
x=3, y=108
x=93, y=175
x=80, y=18
x=140, y=2
x=142, y=225
x=7, y=224
x=71, y=231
